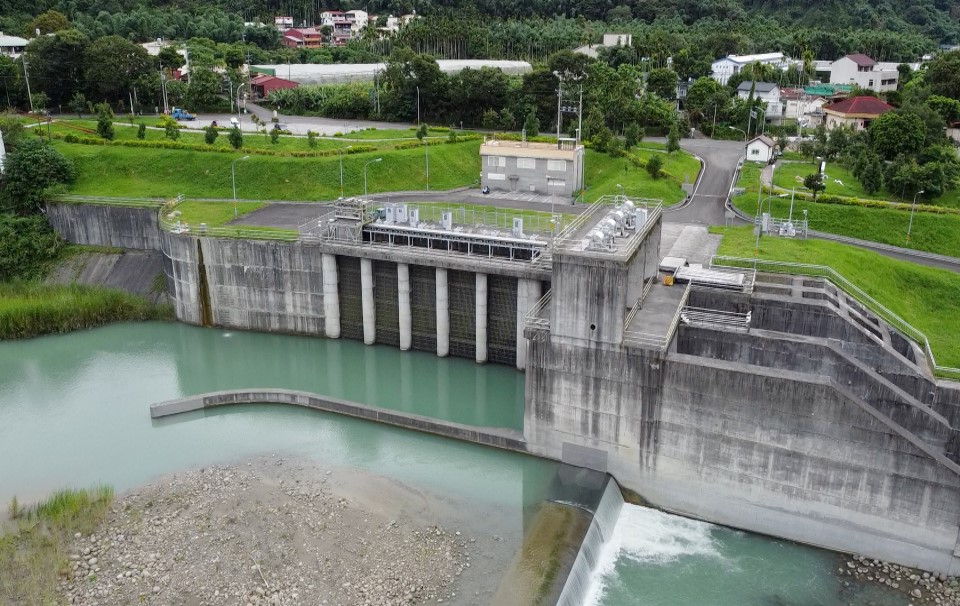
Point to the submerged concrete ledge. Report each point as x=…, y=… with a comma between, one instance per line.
x=506, y=439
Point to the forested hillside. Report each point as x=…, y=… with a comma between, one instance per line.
x=930, y=21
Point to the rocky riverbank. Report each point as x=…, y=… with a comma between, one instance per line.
x=919, y=587
x=275, y=532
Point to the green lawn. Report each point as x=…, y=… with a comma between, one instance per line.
x=931, y=233
x=126, y=171
x=927, y=298
x=214, y=214
x=603, y=173
x=790, y=174
x=394, y=133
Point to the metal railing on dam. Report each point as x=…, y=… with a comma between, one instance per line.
x=853, y=291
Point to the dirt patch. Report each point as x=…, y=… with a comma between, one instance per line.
x=275, y=531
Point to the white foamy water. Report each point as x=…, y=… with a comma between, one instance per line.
x=649, y=537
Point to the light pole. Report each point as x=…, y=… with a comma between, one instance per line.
x=912, y=209
x=166, y=104
x=365, y=165
x=233, y=178
x=238, y=105
x=741, y=130
x=759, y=225
x=340, y=154
x=426, y=147
x=418, y=106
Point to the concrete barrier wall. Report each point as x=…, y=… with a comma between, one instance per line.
x=100, y=225
x=499, y=438
x=767, y=450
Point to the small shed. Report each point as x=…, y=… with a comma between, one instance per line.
x=761, y=149
x=264, y=84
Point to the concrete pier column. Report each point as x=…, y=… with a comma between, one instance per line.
x=403, y=304
x=368, y=303
x=443, y=314
x=528, y=293
x=481, y=317
x=331, y=297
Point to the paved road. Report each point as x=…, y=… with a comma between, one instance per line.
x=706, y=207
x=298, y=125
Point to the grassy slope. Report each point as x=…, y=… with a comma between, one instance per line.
x=927, y=298
x=123, y=171
x=931, y=233
x=790, y=174
x=603, y=173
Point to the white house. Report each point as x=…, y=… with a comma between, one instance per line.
x=761, y=149
x=797, y=105
x=282, y=22
x=732, y=64
x=864, y=72
x=358, y=19
x=11, y=46
x=768, y=92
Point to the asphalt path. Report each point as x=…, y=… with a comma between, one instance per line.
x=707, y=205
x=298, y=125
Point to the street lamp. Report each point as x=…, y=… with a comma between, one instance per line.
x=238, y=105
x=365, y=165
x=739, y=129
x=759, y=226
x=912, y=209
x=233, y=178
x=340, y=154
x=163, y=86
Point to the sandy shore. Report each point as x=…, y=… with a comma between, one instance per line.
x=285, y=531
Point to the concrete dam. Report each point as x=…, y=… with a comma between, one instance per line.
x=768, y=402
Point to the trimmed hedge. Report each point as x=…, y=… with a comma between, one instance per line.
x=415, y=144
x=71, y=138
x=865, y=203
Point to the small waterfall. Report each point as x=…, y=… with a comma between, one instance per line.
x=601, y=529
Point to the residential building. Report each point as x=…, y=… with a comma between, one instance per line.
x=768, y=92
x=761, y=149
x=523, y=166
x=733, y=64
x=264, y=84
x=798, y=105
x=11, y=46
x=862, y=71
x=831, y=92
x=856, y=112
x=358, y=19
x=953, y=132
x=283, y=22
x=302, y=37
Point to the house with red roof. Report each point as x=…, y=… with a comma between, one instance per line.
x=263, y=84
x=302, y=37
x=856, y=112
x=862, y=71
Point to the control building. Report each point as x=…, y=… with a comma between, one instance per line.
x=541, y=168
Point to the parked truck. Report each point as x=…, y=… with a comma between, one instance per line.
x=179, y=113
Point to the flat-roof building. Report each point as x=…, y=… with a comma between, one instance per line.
x=523, y=166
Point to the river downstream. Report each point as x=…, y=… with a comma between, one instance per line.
x=74, y=411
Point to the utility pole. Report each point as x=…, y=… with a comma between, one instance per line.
x=426, y=145
x=559, y=105
x=26, y=76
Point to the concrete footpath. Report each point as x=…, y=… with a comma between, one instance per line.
x=506, y=439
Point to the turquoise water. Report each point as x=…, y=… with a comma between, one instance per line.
x=74, y=410
x=658, y=559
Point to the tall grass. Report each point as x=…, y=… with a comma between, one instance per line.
x=34, y=547
x=28, y=309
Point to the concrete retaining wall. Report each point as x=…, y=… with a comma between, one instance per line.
x=767, y=450
x=499, y=438
x=96, y=225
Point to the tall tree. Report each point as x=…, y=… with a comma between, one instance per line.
x=112, y=64
x=29, y=170
x=49, y=22
x=56, y=64
x=663, y=83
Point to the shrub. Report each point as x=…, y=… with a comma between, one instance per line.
x=210, y=135
x=235, y=137
x=172, y=131
x=654, y=166
x=311, y=139
x=30, y=170
x=27, y=247
x=142, y=131
x=104, y=121
x=274, y=136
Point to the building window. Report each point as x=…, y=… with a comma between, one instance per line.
x=870, y=83
x=496, y=177
x=527, y=163
x=559, y=166
x=554, y=184
x=754, y=152
x=496, y=161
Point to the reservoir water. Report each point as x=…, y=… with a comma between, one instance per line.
x=74, y=411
